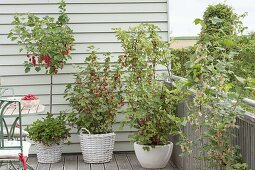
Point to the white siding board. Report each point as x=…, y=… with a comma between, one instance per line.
x=102, y=18
x=13, y=70
x=79, y=38
x=76, y=1
x=79, y=48
x=92, y=28
x=84, y=8
x=18, y=59
x=92, y=22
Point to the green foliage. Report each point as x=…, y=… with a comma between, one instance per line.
x=142, y=44
x=244, y=61
x=151, y=105
x=220, y=20
x=47, y=42
x=180, y=57
x=212, y=110
x=96, y=95
x=152, y=112
x=243, y=65
x=219, y=28
x=49, y=131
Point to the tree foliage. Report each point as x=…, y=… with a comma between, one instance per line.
x=46, y=41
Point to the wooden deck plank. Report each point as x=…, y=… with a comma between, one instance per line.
x=2, y=167
x=71, y=162
x=111, y=165
x=134, y=162
x=97, y=166
x=169, y=167
x=43, y=166
x=173, y=165
x=58, y=165
x=32, y=161
x=81, y=164
x=122, y=161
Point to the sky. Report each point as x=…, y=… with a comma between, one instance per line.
x=184, y=12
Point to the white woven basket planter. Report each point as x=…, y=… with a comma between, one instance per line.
x=48, y=154
x=97, y=148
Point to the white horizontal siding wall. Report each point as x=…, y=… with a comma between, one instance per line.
x=92, y=22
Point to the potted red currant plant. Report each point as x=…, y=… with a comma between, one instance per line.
x=95, y=98
x=151, y=104
x=47, y=42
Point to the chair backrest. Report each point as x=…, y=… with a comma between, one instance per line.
x=3, y=90
x=9, y=129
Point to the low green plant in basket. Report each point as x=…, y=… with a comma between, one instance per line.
x=49, y=130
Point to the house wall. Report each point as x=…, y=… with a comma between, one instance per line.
x=92, y=22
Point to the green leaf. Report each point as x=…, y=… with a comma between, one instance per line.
x=27, y=69
x=37, y=69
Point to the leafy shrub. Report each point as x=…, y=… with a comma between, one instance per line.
x=49, y=131
x=151, y=105
x=96, y=95
x=212, y=111
x=152, y=111
x=220, y=20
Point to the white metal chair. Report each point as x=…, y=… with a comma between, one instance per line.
x=13, y=150
x=3, y=92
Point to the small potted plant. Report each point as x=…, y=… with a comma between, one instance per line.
x=151, y=105
x=49, y=135
x=95, y=98
x=152, y=112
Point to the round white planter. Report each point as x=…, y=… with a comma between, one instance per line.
x=157, y=157
x=97, y=148
x=48, y=154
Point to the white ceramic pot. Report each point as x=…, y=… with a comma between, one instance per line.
x=157, y=157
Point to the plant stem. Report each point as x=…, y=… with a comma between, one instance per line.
x=51, y=84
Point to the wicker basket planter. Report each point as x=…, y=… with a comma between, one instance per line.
x=48, y=154
x=97, y=148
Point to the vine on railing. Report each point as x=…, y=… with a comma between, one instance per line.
x=214, y=107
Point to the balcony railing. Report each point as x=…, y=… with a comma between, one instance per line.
x=244, y=138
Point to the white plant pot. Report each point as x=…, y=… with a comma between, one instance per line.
x=157, y=157
x=48, y=154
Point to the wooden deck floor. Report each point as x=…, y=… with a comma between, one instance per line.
x=120, y=161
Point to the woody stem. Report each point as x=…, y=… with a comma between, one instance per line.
x=51, y=77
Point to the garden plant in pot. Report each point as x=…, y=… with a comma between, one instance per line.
x=95, y=97
x=47, y=42
x=151, y=104
x=49, y=135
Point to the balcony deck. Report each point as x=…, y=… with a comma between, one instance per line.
x=120, y=161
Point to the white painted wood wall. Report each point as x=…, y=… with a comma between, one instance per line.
x=92, y=22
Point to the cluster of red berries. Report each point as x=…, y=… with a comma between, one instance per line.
x=29, y=97
x=46, y=59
